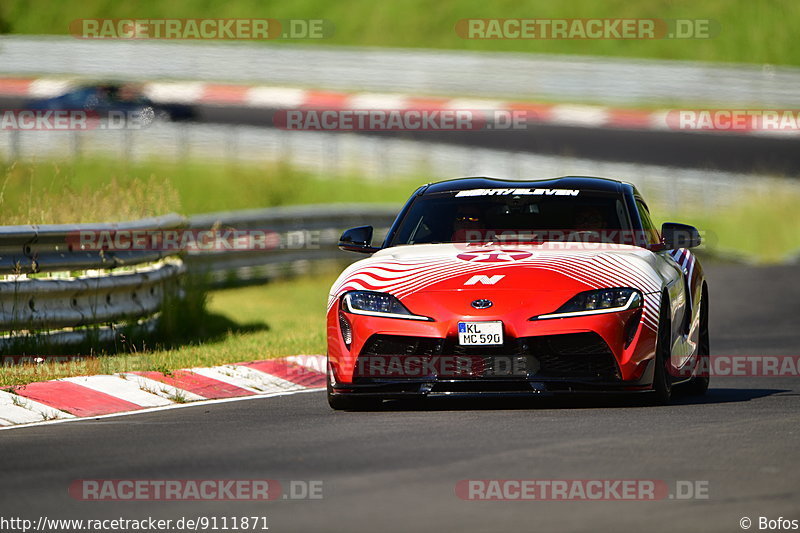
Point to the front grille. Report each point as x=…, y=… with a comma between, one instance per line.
x=400, y=345
x=584, y=355
x=573, y=355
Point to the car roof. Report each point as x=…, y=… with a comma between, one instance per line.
x=566, y=182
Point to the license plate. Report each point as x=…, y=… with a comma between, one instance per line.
x=480, y=333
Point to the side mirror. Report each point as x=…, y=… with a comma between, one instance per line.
x=679, y=236
x=358, y=240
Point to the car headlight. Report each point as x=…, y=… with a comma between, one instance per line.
x=377, y=304
x=597, y=302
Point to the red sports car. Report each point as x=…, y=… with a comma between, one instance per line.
x=495, y=287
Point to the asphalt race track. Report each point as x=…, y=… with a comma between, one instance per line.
x=725, y=151
x=731, y=152
x=396, y=469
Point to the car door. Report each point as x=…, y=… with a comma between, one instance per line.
x=677, y=284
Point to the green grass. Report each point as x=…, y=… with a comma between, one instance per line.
x=763, y=225
x=755, y=32
x=99, y=189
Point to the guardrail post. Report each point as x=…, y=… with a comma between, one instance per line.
x=75, y=144
x=14, y=145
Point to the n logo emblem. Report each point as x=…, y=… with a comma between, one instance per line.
x=484, y=280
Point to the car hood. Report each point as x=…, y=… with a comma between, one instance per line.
x=563, y=269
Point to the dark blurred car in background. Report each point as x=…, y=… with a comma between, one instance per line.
x=103, y=98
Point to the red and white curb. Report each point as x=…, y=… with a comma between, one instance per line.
x=268, y=97
x=102, y=395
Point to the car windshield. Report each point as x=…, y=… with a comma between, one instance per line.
x=79, y=97
x=519, y=215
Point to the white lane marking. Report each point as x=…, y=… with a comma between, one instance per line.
x=263, y=380
x=15, y=414
x=40, y=411
x=162, y=389
x=182, y=92
x=580, y=115
x=313, y=362
x=48, y=87
x=224, y=376
x=151, y=393
x=275, y=97
x=475, y=104
x=119, y=388
x=246, y=378
x=163, y=408
x=658, y=120
x=260, y=96
x=378, y=101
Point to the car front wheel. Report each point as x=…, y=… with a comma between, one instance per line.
x=662, y=379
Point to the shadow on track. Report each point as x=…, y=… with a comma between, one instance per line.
x=714, y=396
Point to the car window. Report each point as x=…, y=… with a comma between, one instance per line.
x=650, y=231
x=483, y=214
x=78, y=99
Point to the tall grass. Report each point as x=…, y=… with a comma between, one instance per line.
x=103, y=189
x=764, y=225
x=57, y=193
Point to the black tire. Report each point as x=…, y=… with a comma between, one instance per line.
x=662, y=378
x=698, y=385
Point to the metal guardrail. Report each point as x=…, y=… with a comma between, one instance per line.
x=51, y=286
x=49, y=304
x=489, y=74
x=51, y=248
x=303, y=235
